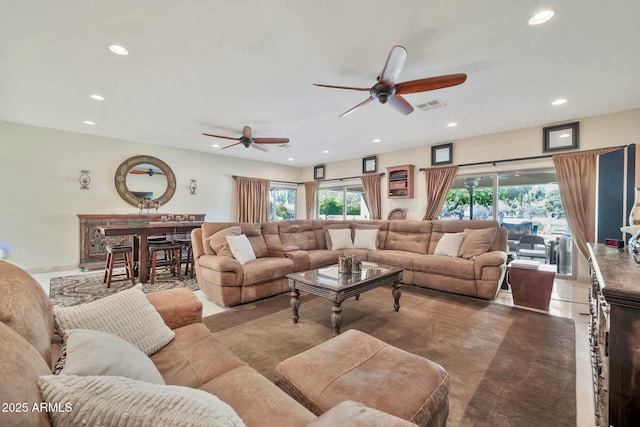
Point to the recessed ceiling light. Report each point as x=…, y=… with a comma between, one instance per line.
x=377, y=140
x=216, y=145
x=290, y=159
x=452, y=124
x=89, y=122
x=118, y=50
x=559, y=101
x=325, y=151
x=541, y=17
x=97, y=97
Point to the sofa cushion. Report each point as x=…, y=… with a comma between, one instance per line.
x=476, y=242
x=365, y=239
x=340, y=239
x=323, y=257
x=86, y=352
x=266, y=269
x=400, y=259
x=253, y=231
x=449, y=244
x=410, y=236
x=127, y=314
x=25, y=308
x=194, y=357
x=257, y=400
x=218, y=241
x=298, y=233
x=445, y=266
x=241, y=249
x=20, y=366
x=108, y=400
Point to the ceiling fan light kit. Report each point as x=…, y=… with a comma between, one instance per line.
x=387, y=90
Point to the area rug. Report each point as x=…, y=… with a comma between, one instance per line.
x=508, y=366
x=73, y=290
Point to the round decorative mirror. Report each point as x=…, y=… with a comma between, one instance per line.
x=145, y=177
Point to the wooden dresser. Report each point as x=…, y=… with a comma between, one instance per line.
x=92, y=243
x=614, y=330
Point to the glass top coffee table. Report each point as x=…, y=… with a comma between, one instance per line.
x=327, y=283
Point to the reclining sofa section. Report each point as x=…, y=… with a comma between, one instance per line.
x=289, y=246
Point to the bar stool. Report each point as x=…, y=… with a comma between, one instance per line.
x=188, y=259
x=113, y=260
x=173, y=253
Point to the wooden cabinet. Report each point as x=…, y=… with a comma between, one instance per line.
x=92, y=243
x=614, y=334
x=400, y=182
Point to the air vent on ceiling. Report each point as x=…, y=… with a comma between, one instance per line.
x=431, y=105
x=285, y=145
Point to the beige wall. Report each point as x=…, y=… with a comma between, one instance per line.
x=40, y=195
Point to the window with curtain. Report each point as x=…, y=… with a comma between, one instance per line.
x=282, y=203
x=342, y=202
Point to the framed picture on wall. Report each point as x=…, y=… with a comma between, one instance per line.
x=560, y=137
x=442, y=154
x=318, y=172
x=369, y=164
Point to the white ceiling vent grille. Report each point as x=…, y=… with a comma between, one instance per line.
x=284, y=146
x=431, y=105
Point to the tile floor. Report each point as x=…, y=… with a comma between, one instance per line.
x=569, y=299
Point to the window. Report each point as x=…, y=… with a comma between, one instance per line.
x=344, y=202
x=282, y=203
x=464, y=190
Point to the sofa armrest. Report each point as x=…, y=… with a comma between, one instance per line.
x=300, y=260
x=489, y=259
x=220, y=263
x=178, y=306
x=350, y=413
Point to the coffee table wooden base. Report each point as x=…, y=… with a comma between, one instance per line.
x=337, y=297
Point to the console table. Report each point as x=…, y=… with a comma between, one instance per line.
x=93, y=243
x=614, y=334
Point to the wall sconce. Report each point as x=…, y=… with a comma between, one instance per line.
x=193, y=186
x=4, y=253
x=85, y=179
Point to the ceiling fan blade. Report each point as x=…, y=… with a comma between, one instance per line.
x=430, y=83
x=271, y=140
x=364, y=89
x=400, y=104
x=366, y=101
x=246, y=132
x=259, y=147
x=220, y=136
x=232, y=145
x=394, y=65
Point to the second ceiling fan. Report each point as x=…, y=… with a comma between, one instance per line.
x=387, y=88
x=248, y=140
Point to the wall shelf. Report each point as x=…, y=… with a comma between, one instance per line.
x=400, y=182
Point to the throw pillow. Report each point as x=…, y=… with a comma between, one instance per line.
x=327, y=236
x=340, y=239
x=108, y=400
x=88, y=352
x=449, y=244
x=476, y=242
x=218, y=241
x=241, y=249
x=366, y=239
x=127, y=314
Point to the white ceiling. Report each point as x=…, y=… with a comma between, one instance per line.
x=214, y=66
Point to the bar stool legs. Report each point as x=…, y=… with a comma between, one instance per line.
x=172, y=261
x=113, y=259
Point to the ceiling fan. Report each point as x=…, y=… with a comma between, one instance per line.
x=249, y=141
x=387, y=88
x=149, y=172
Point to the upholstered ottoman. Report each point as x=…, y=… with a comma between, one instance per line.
x=357, y=366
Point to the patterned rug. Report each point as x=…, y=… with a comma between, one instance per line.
x=73, y=290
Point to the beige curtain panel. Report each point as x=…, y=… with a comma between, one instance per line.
x=310, y=189
x=439, y=180
x=253, y=199
x=373, y=194
x=576, y=174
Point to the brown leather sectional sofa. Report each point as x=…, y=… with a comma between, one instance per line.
x=289, y=246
